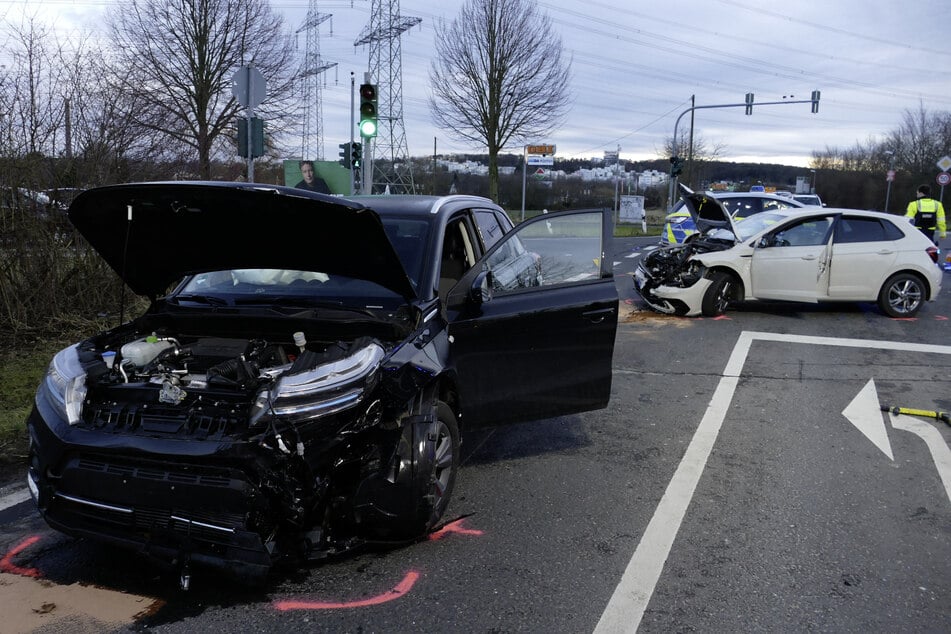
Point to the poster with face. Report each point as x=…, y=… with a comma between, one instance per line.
x=325, y=177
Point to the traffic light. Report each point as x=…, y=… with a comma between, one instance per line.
x=749, y=103
x=356, y=155
x=345, y=155
x=676, y=165
x=368, y=110
x=815, y=101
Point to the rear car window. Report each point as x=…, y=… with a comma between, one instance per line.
x=852, y=230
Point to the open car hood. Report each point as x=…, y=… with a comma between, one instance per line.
x=706, y=211
x=153, y=234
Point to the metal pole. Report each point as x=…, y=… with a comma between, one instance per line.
x=888, y=187
x=250, y=78
x=524, y=171
x=352, y=86
x=617, y=166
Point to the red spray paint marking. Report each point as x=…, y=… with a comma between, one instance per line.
x=398, y=591
x=7, y=565
x=721, y=317
x=940, y=318
x=453, y=527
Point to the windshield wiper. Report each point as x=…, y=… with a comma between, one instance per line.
x=211, y=300
x=283, y=301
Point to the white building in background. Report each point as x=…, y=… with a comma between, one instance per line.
x=630, y=180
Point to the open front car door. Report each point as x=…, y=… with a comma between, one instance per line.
x=533, y=323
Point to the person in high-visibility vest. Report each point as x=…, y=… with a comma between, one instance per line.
x=927, y=214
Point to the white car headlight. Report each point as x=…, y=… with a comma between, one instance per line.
x=66, y=384
x=319, y=392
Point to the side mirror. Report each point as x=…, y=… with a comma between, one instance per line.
x=765, y=241
x=481, y=289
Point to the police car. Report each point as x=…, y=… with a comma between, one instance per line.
x=679, y=226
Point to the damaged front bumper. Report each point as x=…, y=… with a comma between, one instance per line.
x=673, y=300
x=172, y=511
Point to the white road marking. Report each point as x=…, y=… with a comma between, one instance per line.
x=12, y=499
x=626, y=607
x=865, y=413
x=940, y=452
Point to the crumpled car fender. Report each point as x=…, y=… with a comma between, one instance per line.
x=691, y=297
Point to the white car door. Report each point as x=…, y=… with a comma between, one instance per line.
x=792, y=263
x=863, y=256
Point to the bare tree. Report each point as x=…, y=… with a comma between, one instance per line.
x=176, y=59
x=32, y=114
x=920, y=140
x=498, y=77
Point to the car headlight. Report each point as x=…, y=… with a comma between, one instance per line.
x=676, y=220
x=320, y=391
x=65, y=384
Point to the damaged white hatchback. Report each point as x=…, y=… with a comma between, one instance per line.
x=801, y=255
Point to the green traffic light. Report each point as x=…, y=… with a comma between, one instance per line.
x=368, y=128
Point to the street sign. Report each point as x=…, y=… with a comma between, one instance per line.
x=541, y=160
x=943, y=178
x=539, y=149
x=248, y=86
x=944, y=163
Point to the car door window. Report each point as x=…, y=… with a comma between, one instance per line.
x=853, y=229
x=561, y=250
x=741, y=208
x=808, y=232
x=457, y=255
x=769, y=205
x=489, y=228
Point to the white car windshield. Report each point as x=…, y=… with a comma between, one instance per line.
x=749, y=227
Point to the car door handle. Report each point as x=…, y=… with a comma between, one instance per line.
x=597, y=316
x=809, y=257
x=886, y=252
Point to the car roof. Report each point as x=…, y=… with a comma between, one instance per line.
x=766, y=195
x=792, y=212
x=419, y=205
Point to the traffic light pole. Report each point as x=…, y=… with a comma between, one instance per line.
x=352, y=89
x=748, y=104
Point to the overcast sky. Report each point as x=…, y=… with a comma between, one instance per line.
x=635, y=65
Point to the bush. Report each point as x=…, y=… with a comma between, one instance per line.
x=51, y=280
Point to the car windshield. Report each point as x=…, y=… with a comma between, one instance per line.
x=284, y=287
x=749, y=227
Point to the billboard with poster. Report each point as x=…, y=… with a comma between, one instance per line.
x=327, y=177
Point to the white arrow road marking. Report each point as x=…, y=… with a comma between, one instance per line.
x=627, y=605
x=936, y=445
x=866, y=414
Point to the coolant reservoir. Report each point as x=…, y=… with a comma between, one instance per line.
x=143, y=351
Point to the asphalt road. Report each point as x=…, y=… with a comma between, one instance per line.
x=743, y=478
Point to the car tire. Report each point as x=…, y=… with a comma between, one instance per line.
x=902, y=295
x=444, y=466
x=409, y=496
x=718, y=295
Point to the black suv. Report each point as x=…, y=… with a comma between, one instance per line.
x=298, y=384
